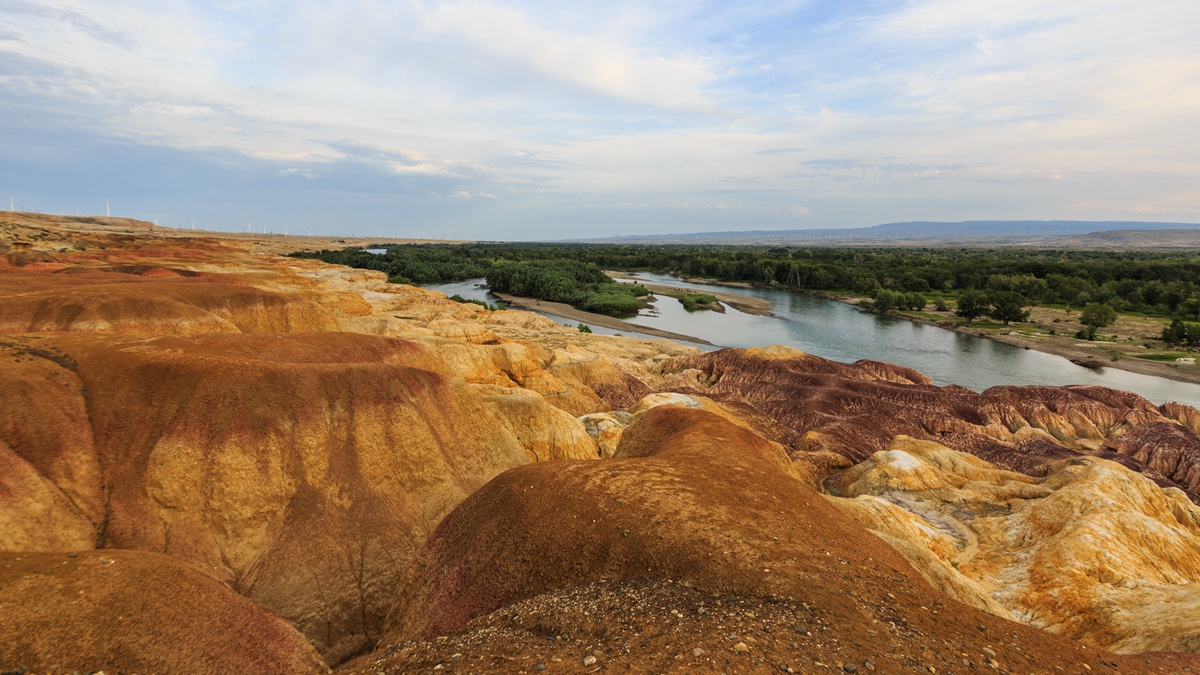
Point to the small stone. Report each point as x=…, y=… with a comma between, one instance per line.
x=741, y=648
x=989, y=652
x=869, y=664
x=589, y=660
x=697, y=652
x=72, y=555
x=849, y=667
x=541, y=666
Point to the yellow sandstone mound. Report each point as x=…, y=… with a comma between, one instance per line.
x=544, y=432
x=1093, y=551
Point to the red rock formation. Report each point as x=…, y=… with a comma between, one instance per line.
x=855, y=410
x=1169, y=448
x=692, y=498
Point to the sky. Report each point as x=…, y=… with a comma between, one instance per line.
x=555, y=120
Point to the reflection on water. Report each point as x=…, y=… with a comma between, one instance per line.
x=837, y=331
x=472, y=289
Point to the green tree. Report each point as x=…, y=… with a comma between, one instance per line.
x=1175, y=333
x=1097, y=315
x=1008, y=306
x=972, y=304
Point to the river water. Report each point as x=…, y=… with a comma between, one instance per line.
x=837, y=331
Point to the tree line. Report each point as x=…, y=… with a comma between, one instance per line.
x=1162, y=283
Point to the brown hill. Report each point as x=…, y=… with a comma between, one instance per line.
x=130, y=612
x=303, y=469
x=585, y=551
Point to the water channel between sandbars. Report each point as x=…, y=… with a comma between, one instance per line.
x=838, y=331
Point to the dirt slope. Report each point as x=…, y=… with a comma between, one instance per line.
x=131, y=611
x=303, y=469
x=597, y=551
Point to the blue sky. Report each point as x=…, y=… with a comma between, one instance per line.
x=524, y=120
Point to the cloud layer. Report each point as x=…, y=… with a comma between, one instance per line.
x=507, y=120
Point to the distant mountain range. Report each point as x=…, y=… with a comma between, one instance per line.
x=916, y=230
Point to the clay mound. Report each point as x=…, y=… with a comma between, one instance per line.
x=303, y=469
x=129, y=611
x=544, y=432
x=1172, y=449
x=1093, y=551
x=518, y=573
x=158, y=307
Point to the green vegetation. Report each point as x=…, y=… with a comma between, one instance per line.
x=1008, y=306
x=1161, y=284
x=885, y=300
x=1181, y=333
x=580, y=285
x=693, y=301
x=1097, y=315
x=584, y=328
x=972, y=304
x=494, y=308
x=1171, y=356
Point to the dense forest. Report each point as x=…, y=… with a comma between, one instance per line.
x=1161, y=283
x=582, y=285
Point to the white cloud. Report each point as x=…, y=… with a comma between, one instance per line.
x=940, y=108
x=304, y=173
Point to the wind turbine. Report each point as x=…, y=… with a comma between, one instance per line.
x=107, y=208
x=12, y=203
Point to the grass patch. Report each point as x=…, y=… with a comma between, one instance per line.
x=1163, y=357
x=698, y=301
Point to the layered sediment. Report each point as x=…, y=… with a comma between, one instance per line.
x=347, y=471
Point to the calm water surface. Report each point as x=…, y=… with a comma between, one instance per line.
x=838, y=331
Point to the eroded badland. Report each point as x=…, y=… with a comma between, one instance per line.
x=214, y=459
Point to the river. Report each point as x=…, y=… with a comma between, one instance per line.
x=837, y=331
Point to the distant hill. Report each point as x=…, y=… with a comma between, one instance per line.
x=994, y=231
x=1123, y=239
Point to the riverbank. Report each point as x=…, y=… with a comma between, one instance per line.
x=561, y=309
x=742, y=303
x=1049, y=330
